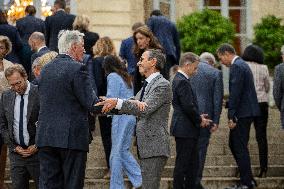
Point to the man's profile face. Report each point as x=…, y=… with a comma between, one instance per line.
x=17, y=83
x=145, y=65
x=79, y=50
x=3, y=50
x=192, y=68
x=225, y=59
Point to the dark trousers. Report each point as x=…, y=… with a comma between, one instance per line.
x=105, y=127
x=203, y=142
x=22, y=169
x=260, y=125
x=62, y=168
x=186, y=165
x=238, y=142
x=151, y=170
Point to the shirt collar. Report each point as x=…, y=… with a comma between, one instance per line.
x=234, y=59
x=27, y=90
x=40, y=48
x=185, y=75
x=152, y=76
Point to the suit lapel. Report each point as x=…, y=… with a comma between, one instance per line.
x=30, y=103
x=150, y=85
x=10, y=105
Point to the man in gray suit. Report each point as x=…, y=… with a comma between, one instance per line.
x=209, y=101
x=66, y=97
x=19, y=109
x=278, y=87
x=152, y=133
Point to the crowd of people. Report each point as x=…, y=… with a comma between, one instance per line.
x=57, y=78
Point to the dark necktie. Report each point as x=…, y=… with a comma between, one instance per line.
x=143, y=90
x=21, y=123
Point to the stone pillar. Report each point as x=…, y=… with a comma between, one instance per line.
x=173, y=10
x=156, y=4
x=37, y=5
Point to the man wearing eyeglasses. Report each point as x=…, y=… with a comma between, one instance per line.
x=19, y=109
x=152, y=106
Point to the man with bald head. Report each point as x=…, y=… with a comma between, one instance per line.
x=37, y=44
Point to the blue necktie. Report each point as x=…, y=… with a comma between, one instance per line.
x=21, y=123
x=143, y=90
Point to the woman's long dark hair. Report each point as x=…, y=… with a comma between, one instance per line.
x=113, y=63
x=253, y=53
x=153, y=43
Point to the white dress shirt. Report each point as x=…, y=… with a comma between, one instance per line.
x=148, y=79
x=185, y=75
x=17, y=116
x=234, y=59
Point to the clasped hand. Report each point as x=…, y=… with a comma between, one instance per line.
x=26, y=152
x=110, y=103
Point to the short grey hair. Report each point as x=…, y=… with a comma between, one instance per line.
x=208, y=57
x=66, y=38
x=37, y=36
x=188, y=58
x=160, y=57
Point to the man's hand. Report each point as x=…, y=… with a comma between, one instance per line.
x=141, y=105
x=108, y=104
x=204, y=121
x=24, y=153
x=231, y=124
x=32, y=149
x=214, y=128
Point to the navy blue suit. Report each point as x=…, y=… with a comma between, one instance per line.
x=209, y=100
x=29, y=24
x=12, y=33
x=242, y=108
x=167, y=34
x=185, y=127
x=53, y=24
x=126, y=52
x=66, y=97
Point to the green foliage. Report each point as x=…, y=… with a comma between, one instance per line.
x=269, y=34
x=204, y=31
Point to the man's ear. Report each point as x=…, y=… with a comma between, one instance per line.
x=154, y=61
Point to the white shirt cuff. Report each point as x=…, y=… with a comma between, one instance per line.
x=119, y=104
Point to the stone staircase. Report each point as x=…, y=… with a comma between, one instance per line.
x=220, y=168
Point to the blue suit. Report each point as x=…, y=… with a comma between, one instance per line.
x=242, y=108
x=66, y=97
x=209, y=100
x=121, y=159
x=12, y=33
x=126, y=52
x=29, y=24
x=186, y=129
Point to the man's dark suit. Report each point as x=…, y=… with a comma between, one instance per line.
x=66, y=97
x=17, y=44
x=126, y=52
x=167, y=34
x=21, y=168
x=278, y=90
x=209, y=100
x=29, y=24
x=242, y=107
x=185, y=127
x=53, y=24
x=34, y=56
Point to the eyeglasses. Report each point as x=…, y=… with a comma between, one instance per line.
x=16, y=84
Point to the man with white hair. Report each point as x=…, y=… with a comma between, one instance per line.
x=66, y=97
x=209, y=101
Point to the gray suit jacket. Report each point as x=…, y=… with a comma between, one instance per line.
x=278, y=86
x=209, y=98
x=7, y=103
x=152, y=124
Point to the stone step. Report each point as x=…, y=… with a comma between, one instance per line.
x=209, y=171
x=209, y=183
x=225, y=160
x=167, y=183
